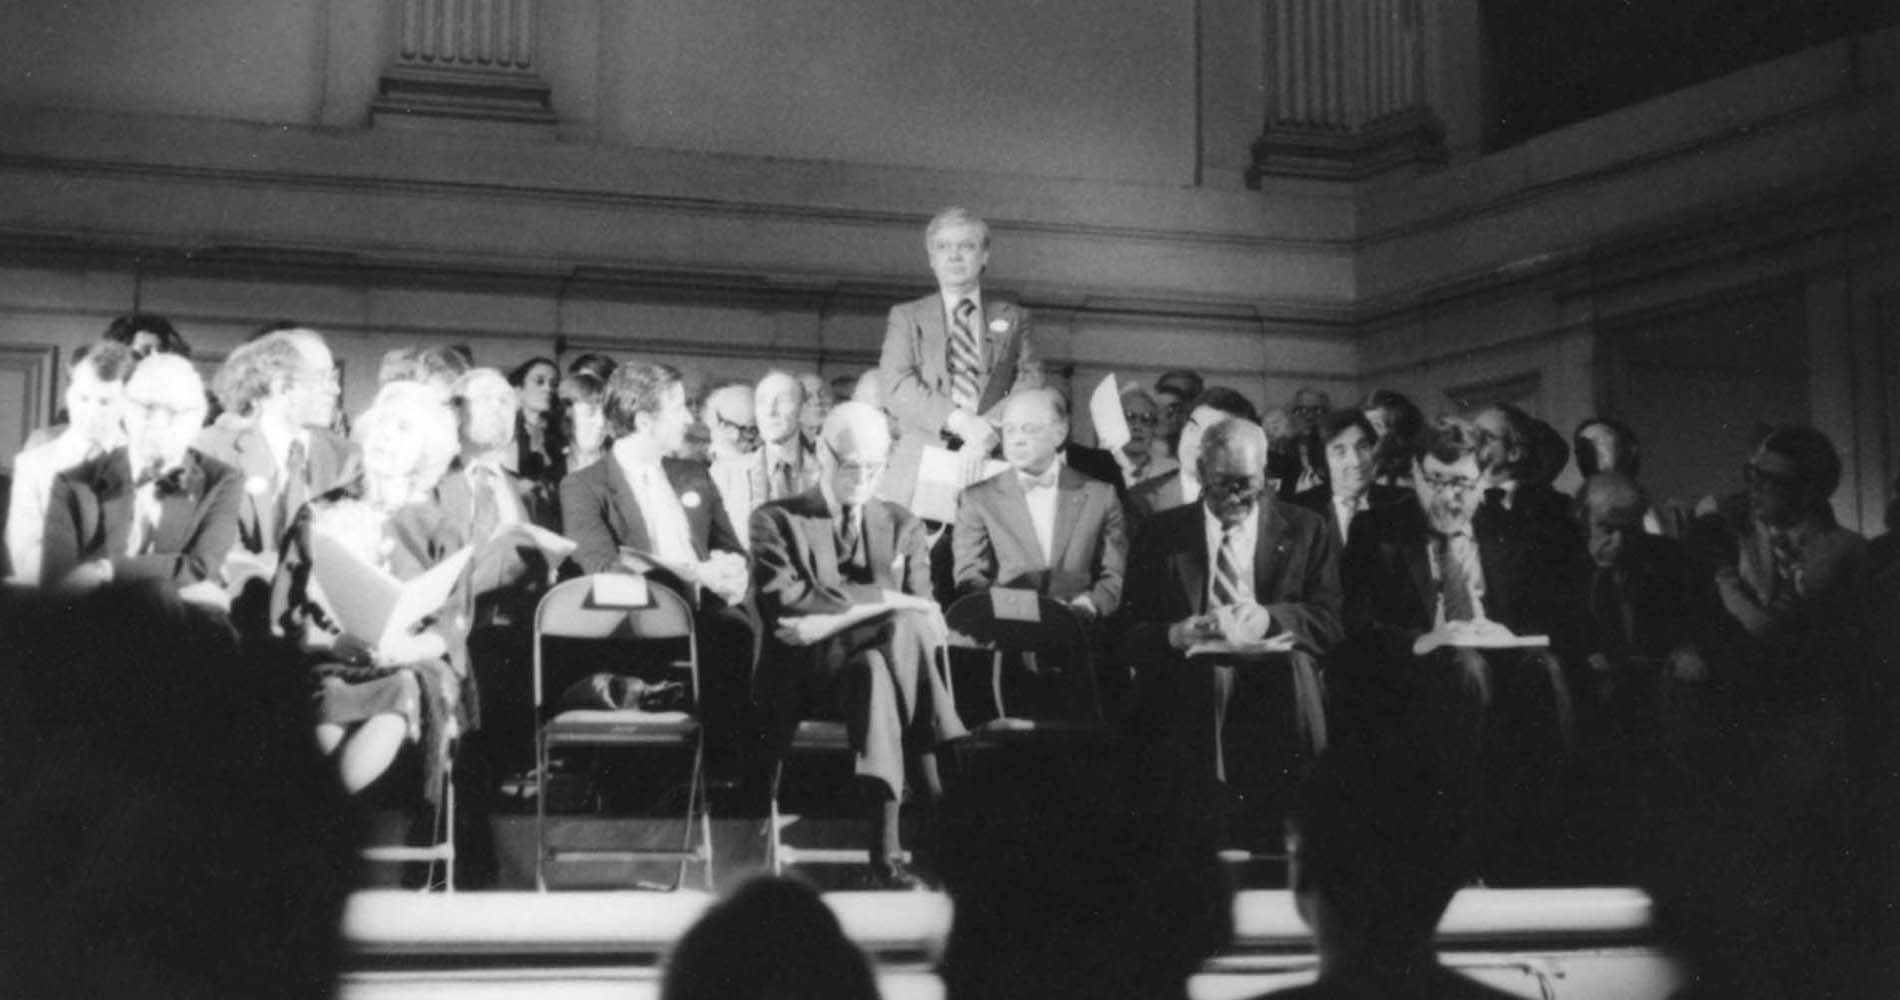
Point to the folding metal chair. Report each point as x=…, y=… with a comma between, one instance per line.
x=441, y=848
x=1055, y=629
x=570, y=611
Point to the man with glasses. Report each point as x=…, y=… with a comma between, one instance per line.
x=1305, y=462
x=842, y=581
x=950, y=358
x=783, y=464
x=727, y=414
x=279, y=395
x=1231, y=601
x=1501, y=716
x=1142, y=459
x=1183, y=485
x=1797, y=574
x=156, y=508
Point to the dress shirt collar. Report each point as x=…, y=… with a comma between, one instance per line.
x=950, y=300
x=1045, y=481
x=635, y=455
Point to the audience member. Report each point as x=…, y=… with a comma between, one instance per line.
x=643, y=511
x=95, y=408
x=1140, y=459
x=842, y=581
x=950, y=358
x=592, y=363
x=785, y=463
x=769, y=939
x=1349, y=443
x=1042, y=526
x=1183, y=485
x=170, y=827
x=1184, y=384
x=1374, y=856
x=153, y=509
x=1603, y=445
x=1798, y=576
x=436, y=367
x=820, y=397
x=1551, y=455
x=146, y=334
x=582, y=397
x=728, y=415
x=1883, y=553
x=1070, y=881
x=1397, y=422
x=1515, y=481
x=374, y=694
x=1304, y=413
x=1242, y=568
x=540, y=448
x=279, y=396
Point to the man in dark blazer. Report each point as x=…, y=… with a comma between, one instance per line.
x=638, y=510
x=843, y=584
x=155, y=509
x=1235, y=553
x=1348, y=440
x=1042, y=525
x=951, y=358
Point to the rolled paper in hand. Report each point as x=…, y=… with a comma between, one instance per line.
x=1241, y=623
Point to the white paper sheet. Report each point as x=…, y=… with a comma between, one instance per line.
x=1105, y=411
x=370, y=603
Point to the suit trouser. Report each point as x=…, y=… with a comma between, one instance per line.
x=1247, y=724
x=881, y=678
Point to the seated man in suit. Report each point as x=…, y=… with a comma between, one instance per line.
x=1042, y=526
x=1411, y=569
x=1349, y=442
x=95, y=403
x=1307, y=470
x=1145, y=456
x=279, y=395
x=950, y=358
x=665, y=512
x=1517, y=484
x=783, y=465
x=154, y=509
x=843, y=581
x=1650, y=612
x=1240, y=565
x=1183, y=485
x=727, y=414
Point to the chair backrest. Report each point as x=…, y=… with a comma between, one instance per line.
x=569, y=611
x=1057, y=627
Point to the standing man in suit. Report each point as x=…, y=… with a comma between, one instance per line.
x=279, y=394
x=785, y=462
x=95, y=409
x=1042, y=525
x=1234, y=555
x=1349, y=441
x=666, y=511
x=843, y=583
x=1183, y=485
x=949, y=359
x=154, y=509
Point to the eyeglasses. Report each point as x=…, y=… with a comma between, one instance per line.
x=857, y=469
x=733, y=427
x=1307, y=410
x=146, y=410
x=1461, y=484
x=1140, y=419
x=1026, y=427
x=1234, y=486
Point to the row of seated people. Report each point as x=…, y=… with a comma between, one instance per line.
x=1341, y=589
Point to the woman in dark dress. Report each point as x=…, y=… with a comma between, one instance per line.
x=540, y=445
x=372, y=698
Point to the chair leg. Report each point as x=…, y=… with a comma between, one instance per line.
x=996, y=684
x=705, y=824
x=448, y=827
x=775, y=851
x=695, y=789
x=541, y=813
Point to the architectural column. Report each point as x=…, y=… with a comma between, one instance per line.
x=465, y=59
x=1348, y=91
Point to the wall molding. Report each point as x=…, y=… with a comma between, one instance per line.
x=37, y=364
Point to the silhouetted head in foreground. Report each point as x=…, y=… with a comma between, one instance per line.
x=1067, y=885
x=169, y=827
x=771, y=939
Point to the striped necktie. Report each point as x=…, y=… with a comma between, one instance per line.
x=963, y=356
x=1230, y=581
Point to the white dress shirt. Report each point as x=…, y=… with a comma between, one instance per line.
x=33, y=473
x=1214, y=531
x=1040, y=492
x=659, y=507
x=1343, y=511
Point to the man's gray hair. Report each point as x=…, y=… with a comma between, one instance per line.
x=1230, y=433
x=956, y=217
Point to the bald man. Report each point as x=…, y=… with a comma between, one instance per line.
x=1226, y=718
x=842, y=580
x=154, y=509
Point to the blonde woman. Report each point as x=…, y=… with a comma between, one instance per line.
x=371, y=698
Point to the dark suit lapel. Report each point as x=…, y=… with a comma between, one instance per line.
x=1017, y=521
x=1192, y=563
x=113, y=492
x=698, y=513
x=1271, y=548
x=179, y=514
x=1070, y=497
x=880, y=545
x=813, y=519
x=623, y=510
x=933, y=341
x=256, y=526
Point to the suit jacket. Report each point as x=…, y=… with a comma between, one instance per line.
x=599, y=512
x=32, y=487
x=745, y=483
x=89, y=517
x=915, y=369
x=1531, y=579
x=1668, y=603
x=332, y=462
x=795, y=557
x=1296, y=577
x=1319, y=500
x=995, y=540
x=1149, y=498
x=1097, y=464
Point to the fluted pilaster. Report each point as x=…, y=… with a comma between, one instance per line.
x=465, y=59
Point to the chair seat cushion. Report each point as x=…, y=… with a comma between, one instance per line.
x=629, y=726
x=820, y=734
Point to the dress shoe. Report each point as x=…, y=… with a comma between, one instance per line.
x=893, y=874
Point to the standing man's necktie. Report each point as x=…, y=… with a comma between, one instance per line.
x=963, y=356
x=1230, y=582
